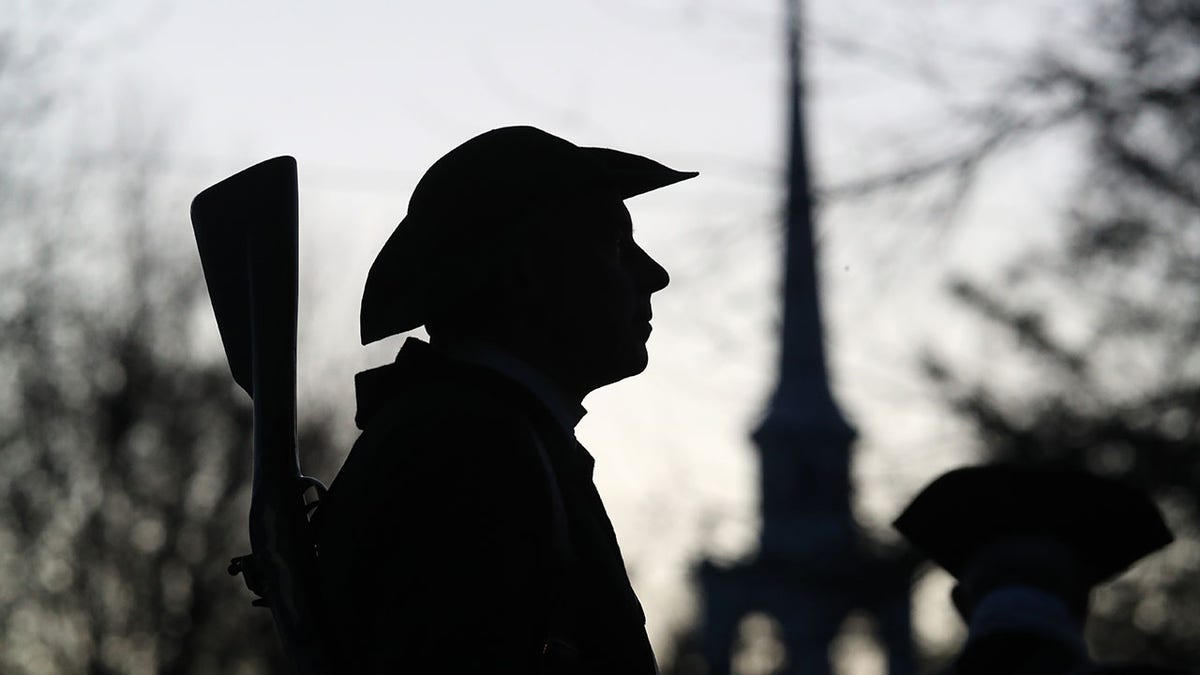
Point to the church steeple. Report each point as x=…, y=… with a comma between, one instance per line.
x=804, y=440
x=811, y=569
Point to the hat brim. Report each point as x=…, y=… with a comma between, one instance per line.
x=1108, y=524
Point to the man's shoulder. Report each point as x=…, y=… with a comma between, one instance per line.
x=444, y=434
x=457, y=421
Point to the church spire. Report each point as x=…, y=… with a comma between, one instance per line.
x=803, y=439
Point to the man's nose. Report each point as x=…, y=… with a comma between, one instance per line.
x=651, y=275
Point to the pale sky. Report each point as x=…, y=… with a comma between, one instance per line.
x=366, y=94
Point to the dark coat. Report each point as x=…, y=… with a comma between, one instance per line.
x=438, y=545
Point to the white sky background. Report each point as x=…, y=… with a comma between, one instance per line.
x=366, y=94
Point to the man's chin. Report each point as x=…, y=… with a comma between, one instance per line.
x=635, y=361
x=631, y=362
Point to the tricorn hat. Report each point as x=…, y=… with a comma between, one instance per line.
x=1110, y=525
x=465, y=207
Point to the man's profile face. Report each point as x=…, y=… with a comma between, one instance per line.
x=598, y=288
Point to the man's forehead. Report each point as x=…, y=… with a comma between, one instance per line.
x=614, y=212
x=591, y=209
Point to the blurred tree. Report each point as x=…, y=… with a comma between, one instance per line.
x=1106, y=373
x=123, y=441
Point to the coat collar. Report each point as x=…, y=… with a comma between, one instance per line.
x=566, y=413
x=418, y=360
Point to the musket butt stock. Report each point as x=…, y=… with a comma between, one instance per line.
x=246, y=232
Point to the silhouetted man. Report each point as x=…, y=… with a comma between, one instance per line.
x=1027, y=546
x=464, y=533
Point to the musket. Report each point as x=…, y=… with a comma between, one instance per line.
x=246, y=231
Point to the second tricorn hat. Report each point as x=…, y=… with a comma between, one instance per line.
x=1110, y=525
x=463, y=209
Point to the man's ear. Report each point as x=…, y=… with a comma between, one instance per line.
x=524, y=272
x=539, y=269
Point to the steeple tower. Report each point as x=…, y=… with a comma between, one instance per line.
x=804, y=441
x=813, y=566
